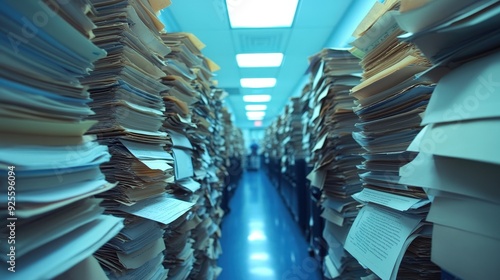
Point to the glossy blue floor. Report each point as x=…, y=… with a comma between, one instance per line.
x=260, y=240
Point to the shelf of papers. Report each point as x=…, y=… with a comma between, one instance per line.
x=416, y=143
x=272, y=152
x=234, y=154
x=312, y=201
x=389, y=102
x=284, y=160
x=49, y=167
x=334, y=155
x=399, y=75
x=458, y=161
x=122, y=131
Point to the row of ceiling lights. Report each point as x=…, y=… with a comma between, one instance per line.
x=259, y=14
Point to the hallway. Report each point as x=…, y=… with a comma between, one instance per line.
x=260, y=240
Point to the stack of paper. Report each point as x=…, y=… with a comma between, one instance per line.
x=179, y=257
x=179, y=254
x=137, y=252
x=233, y=142
x=180, y=74
x=290, y=167
x=451, y=33
x=212, y=175
x=193, y=90
x=272, y=149
x=335, y=154
x=234, y=155
x=389, y=102
x=49, y=169
x=459, y=162
x=196, y=130
x=307, y=109
x=126, y=89
x=292, y=143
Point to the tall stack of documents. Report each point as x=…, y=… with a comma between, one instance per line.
x=271, y=142
x=295, y=128
x=48, y=167
x=179, y=256
x=126, y=91
x=307, y=105
x=280, y=138
x=275, y=135
x=234, y=144
x=286, y=162
x=190, y=80
x=458, y=161
x=227, y=150
x=335, y=153
x=211, y=174
x=292, y=143
x=234, y=155
x=389, y=236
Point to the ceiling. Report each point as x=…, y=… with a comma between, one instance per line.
x=317, y=24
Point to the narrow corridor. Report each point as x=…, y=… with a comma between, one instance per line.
x=260, y=240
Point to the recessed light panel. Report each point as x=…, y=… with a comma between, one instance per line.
x=259, y=59
x=256, y=118
x=261, y=13
x=255, y=107
x=257, y=98
x=258, y=82
x=255, y=114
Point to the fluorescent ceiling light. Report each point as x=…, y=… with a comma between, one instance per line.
x=256, y=114
x=255, y=118
x=257, y=98
x=255, y=107
x=259, y=59
x=261, y=13
x=258, y=82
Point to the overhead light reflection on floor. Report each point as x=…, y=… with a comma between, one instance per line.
x=256, y=235
x=259, y=256
x=262, y=271
x=255, y=224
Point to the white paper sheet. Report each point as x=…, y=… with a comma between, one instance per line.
x=179, y=140
x=397, y=202
x=189, y=184
x=473, y=140
x=465, y=254
x=143, y=255
x=467, y=214
x=452, y=175
x=377, y=238
x=461, y=95
x=63, y=253
x=89, y=268
x=162, y=208
x=146, y=151
x=183, y=163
